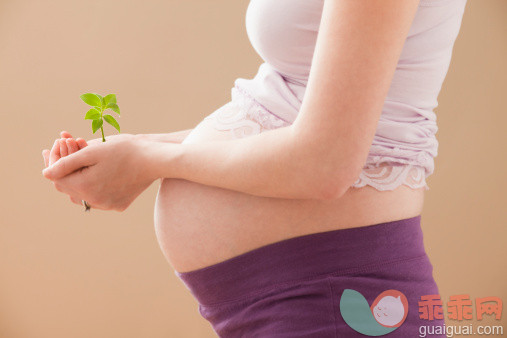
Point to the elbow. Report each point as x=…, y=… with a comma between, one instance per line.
x=333, y=186
x=329, y=171
x=330, y=190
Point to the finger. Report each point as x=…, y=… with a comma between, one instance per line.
x=55, y=153
x=45, y=156
x=75, y=200
x=81, y=143
x=72, y=146
x=65, y=134
x=66, y=185
x=63, y=148
x=71, y=163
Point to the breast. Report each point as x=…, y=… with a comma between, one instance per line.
x=284, y=32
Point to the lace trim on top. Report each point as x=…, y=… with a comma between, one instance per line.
x=250, y=118
x=390, y=175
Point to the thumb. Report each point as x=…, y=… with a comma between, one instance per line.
x=67, y=165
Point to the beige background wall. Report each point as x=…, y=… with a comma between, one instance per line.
x=64, y=273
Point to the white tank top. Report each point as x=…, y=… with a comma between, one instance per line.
x=284, y=33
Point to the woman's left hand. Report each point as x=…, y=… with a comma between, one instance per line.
x=109, y=175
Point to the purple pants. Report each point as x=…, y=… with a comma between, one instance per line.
x=308, y=286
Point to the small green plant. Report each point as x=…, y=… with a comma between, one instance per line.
x=96, y=113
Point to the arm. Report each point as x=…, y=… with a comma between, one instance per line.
x=322, y=153
x=318, y=157
x=174, y=137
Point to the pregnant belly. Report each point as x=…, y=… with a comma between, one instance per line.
x=198, y=225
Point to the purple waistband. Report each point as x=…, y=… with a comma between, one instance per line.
x=337, y=252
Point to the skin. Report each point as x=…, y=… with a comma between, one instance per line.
x=67, y=145
x=222, y=197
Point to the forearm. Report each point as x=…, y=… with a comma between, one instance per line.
x=276, y=163
x=174, y=137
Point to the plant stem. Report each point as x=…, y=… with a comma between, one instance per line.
x=102, y=127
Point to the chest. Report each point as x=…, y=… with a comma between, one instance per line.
x=284, y=32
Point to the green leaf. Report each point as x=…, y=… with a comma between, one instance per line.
x=111, y=98
x=91, y=99
x=92, y=114
x=109, y=119
x=114, y=107
x=102, y=104
x=96, y=124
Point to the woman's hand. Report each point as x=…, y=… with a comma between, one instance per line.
x=109, y=175
x=64, y=146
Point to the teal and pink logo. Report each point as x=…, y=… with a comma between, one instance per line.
x=387, y=312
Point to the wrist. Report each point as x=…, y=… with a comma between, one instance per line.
x=160, y=158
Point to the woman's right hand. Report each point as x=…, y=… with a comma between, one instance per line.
x=67, y=145
x=62, y=147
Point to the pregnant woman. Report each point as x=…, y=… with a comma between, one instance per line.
x=308, y=186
